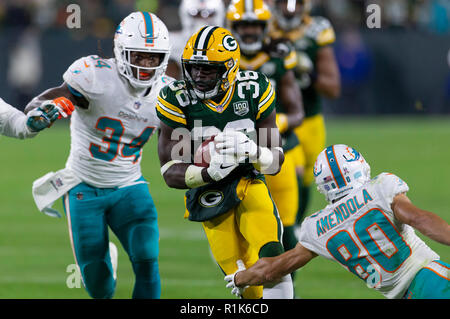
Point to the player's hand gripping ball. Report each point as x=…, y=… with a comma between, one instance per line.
x=202, y=156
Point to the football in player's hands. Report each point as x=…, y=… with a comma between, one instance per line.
x=202, y=156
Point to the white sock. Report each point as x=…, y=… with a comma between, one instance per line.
x=282, y=290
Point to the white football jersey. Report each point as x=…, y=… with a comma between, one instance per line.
x=107, y=138
x=13, y=123
x=361, y=232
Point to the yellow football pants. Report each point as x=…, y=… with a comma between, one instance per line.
x=312, y=136
x=284, y=189
x=241, y=232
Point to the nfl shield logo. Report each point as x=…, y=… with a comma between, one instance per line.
x=137, y=105
x=240, y=108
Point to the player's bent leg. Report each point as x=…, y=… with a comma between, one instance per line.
x=89, y=239
x=283, y=188
x=228, y=245
x=134, y=221
x=260, y=224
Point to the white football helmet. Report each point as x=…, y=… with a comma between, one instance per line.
x=338, y=170
x=195, y=14
x=141, y=32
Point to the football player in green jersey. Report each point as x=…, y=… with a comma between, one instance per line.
x=248, y=20
x=229, y=197
x=317, y=74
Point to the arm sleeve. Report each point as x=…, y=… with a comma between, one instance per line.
x=13, y=123
x=324, y=32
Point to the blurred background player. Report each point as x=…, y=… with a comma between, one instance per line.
x=229, y=196
x=249, y=23
x=317, y=74
x=368, y=227
x=14, y=123
x=114, y=117
x=193, y=15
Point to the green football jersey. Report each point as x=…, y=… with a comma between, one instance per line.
x=308, y=39
x=274, y=66
x=250, y=100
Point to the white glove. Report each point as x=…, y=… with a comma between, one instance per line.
x=236, y=143
x=230, y=280
x=221, y=166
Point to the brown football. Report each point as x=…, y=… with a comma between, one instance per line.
x=202, y=155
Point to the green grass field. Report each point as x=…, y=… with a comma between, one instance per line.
x=35, y=249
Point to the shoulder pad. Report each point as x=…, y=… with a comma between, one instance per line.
x=321, y=30
x=390, y=185
x=89, y=75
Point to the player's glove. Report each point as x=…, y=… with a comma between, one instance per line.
x=49, y=111
x=221, y=166
x=237, y=144
x=64, y=106
x=42, y=117
x=230, y=280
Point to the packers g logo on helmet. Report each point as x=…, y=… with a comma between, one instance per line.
x=229, y=43
x=212, y=47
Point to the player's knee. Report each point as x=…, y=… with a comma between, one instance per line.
x=144, y=244
x=98, y=279
x=271, y=249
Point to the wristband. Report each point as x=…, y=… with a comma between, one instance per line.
x=166, y=166
x=265, y=160
x=193, y=176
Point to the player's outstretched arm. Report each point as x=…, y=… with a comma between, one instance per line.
x=272, y=269
x=428, y=223
x=60, y=97
x=291, y=97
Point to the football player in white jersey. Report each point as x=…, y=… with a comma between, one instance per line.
x=193, y=15
x=368, y=229
x=114, y=117
x=14, y=123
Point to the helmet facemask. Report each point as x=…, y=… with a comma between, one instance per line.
x=206, y=83
x=250, y=41
x=136, y=73
x=289, y=14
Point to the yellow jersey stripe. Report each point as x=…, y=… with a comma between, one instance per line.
x=169, y=115
x=291, y=60
x=266, y=93
x=170, y=106
x=265, y=106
